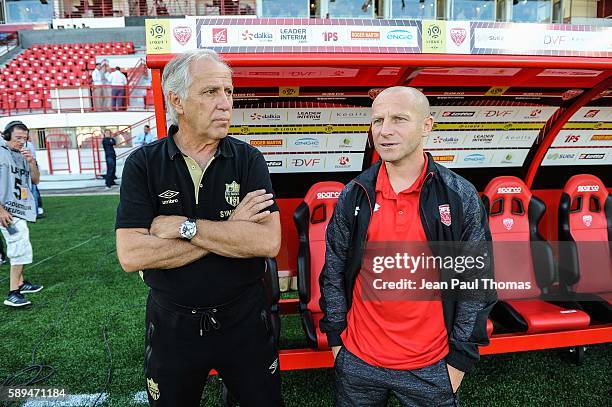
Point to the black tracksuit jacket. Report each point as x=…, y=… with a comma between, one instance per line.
x=465, y=321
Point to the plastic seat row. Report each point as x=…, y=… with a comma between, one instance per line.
x=582, y=294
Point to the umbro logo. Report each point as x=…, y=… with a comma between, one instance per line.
x=376, y=207
x=168, y=195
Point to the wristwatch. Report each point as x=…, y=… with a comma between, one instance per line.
x=188, y=229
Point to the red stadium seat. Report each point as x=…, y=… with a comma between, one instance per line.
x=521, y=255
x=585, y=261
x=311, y=218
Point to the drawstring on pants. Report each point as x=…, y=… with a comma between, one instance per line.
x=208, y=320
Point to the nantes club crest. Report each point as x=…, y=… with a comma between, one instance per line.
x=232, y=193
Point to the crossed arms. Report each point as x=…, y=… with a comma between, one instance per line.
x=251, y=231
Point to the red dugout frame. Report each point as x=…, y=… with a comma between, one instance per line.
x=411, y=64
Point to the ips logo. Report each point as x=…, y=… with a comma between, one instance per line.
x=330, y=36
x=572, y=138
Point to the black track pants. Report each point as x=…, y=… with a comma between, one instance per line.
x=235, y=339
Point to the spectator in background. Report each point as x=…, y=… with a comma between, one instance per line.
x=108, y=143
x=145, y=138
x=118, y=81
x=18, y=171
x=97, y=79
x=40, y=213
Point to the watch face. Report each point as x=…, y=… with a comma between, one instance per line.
x=188, y=230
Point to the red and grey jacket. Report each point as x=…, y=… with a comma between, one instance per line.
x=444, y=194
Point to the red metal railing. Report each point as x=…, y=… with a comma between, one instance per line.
x=45, y=99
x=57, y=152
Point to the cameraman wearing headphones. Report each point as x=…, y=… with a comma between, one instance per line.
x=18, y=171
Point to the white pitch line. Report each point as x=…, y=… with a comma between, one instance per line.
x=63, y=251
x=77, y=400
x=141, y=398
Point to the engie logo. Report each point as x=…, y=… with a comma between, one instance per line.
x=588, y=188
x=328, y=195
x=402, y=35
x=509, y=190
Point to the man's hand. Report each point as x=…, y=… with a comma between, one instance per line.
x=253, y=203
x=456, y=376
x=335, y=350
x=167, y=227
x=27, y=154
x=5, y=217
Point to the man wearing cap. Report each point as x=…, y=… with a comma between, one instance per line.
x=18, y=171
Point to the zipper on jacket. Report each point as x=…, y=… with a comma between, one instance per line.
x=428, y=179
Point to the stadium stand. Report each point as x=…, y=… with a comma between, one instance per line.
x=521, y=254
x=25, y=81
x=311, y=218
x=585, y=223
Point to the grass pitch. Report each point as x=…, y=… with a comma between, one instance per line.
x=90, y=317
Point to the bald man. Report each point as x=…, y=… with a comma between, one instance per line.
x=388, y=343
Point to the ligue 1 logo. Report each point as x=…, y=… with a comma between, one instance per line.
x=182, y=34
x=458, y=35
x=508, y=223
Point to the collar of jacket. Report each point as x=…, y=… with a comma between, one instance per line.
x=367, y=179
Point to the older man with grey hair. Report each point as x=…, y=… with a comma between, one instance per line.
x=197, y=215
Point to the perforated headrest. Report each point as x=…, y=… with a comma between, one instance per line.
x=586, y=185
x=508, y=201
x=321, y=199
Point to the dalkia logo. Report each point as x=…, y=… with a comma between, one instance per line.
x=458, y=35
x=219, y=35
x=328, y=195
x=266, y=116
x=588, y=188
x=446, y=139
x=259, y=35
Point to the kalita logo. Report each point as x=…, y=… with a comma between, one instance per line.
x=351, y=115
x=588, y=188
x=219, y=35
x=328, y=195
x=311, y=115
x=266, y=143
x=365, y=35
x=517, y=137
x=509, y=190
x=266, y=116
x=167, y=196
x=459, y=114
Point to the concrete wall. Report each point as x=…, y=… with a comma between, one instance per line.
x=134, y=34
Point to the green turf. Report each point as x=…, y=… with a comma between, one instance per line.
x=104, y=299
